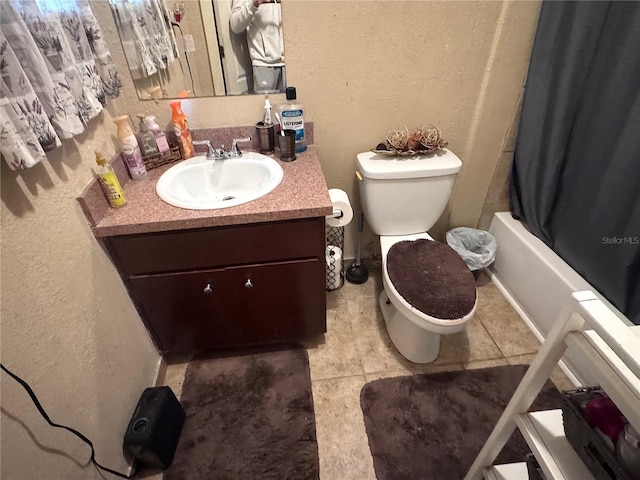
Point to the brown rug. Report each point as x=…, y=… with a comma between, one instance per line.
x=248, y=416
x=432, y=426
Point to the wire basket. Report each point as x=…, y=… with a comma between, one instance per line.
x=159, y=159
x=587, y=443
x=334, y=241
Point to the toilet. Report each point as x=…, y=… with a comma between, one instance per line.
x=428, y=289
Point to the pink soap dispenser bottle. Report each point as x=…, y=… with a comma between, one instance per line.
x=154, y=128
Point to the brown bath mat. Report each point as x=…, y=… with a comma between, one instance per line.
x=249, y=416
x=432, y=426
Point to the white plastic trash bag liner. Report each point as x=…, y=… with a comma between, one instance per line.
x=476, y=247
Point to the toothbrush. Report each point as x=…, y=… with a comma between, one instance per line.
x=279, y=123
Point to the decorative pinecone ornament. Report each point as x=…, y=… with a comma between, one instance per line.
x=397, y=139
x=431, y=138
x=404, y=142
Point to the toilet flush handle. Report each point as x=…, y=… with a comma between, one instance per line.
x=358, y=175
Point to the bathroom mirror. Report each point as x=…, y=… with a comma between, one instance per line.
x=189, y=45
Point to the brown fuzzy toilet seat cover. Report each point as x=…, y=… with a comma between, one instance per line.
x=432, y=278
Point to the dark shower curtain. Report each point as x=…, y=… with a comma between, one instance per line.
x=575, y=181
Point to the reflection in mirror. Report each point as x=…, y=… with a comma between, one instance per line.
x=207, y=47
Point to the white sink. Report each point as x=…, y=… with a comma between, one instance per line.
x=201, y=184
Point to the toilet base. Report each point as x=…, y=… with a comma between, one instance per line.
x=414, y=343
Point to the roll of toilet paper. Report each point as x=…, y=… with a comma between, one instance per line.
x=340, y=201
x=333, y=257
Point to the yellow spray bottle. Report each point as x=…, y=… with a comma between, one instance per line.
x=110, y=184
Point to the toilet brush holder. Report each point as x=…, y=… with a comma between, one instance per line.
x=356, y=272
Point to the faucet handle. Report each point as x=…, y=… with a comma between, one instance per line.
x=235, y=151
x=211, y=153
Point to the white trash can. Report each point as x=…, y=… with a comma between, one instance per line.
x=476, y=247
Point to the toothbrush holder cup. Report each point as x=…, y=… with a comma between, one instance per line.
x=266, y=137
x=287, y=144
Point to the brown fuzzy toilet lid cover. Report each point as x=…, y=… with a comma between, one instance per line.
x=432, y=278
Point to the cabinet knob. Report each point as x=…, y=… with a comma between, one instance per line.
x=248, y=284
x=208, y=289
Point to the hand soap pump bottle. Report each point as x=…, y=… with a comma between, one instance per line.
x=181, y=127
x=161, y=139
x=130, y=149
x=292, y=118
x=109, y=181
x=146, y=139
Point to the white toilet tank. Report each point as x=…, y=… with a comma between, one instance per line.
x=405, y=195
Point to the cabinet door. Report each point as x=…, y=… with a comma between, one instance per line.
x=277, y=302
x=234, y=306
x=181, y=310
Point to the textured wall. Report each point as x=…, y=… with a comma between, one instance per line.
x=365, y=67
x=68, y=327
x=497, y=199
x=361, y=68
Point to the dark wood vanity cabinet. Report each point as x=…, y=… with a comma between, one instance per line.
x=229, y=286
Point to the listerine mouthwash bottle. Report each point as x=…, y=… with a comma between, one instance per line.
x=292, y=116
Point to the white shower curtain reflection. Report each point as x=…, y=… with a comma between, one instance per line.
x=56, y=75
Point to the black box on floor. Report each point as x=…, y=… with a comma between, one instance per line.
x=154, y=430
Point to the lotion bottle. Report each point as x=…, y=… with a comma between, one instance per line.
x=181, y=127
x=130, y=149
x=292, y=118
x=109, y=181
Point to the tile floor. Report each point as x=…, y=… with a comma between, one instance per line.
x=356, y=349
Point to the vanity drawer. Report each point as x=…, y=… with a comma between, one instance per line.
x=283, y=301
x=217, y=247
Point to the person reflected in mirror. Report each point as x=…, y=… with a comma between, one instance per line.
x=262, y=20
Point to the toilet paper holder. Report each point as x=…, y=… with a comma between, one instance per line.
x=341, y=211
x=334, y=248
x=337, y=213
x=341, y=215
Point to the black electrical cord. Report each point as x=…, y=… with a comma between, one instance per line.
x=35, y=400
x=186, y=57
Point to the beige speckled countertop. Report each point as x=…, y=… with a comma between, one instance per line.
x=302, y=193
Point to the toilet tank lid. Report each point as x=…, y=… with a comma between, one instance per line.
x=377, y=166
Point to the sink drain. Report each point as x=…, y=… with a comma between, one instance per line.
x=230, y=197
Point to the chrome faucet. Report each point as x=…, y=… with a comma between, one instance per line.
x=221, y=153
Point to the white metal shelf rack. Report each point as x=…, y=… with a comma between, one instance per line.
x=609, y=348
